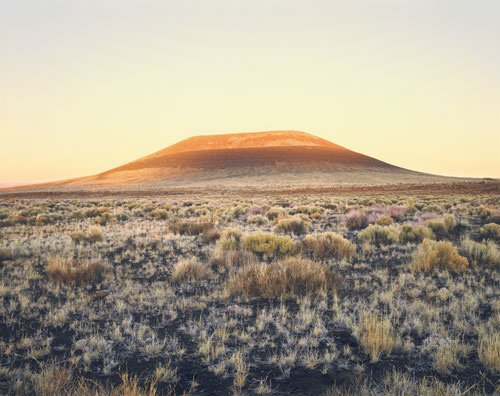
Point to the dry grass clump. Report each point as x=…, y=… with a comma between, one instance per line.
x=442, y=227
x=74, y=272
x=94, y=234
x=356, y=219
x=230, y=239
x=376, y=335
x=328, y=245
x=488, y=350
x=190, y=270
x=292, y=225
x=414, y=234
x=448, y=354
x=289, y=278
x=379, y=235
x=224, y=260
x=384, y=220
x=54, y=380
x=6, y=254
x=190, y=227
x=275, y=213
x=481, y=253
x=268, y=244
x=432, y=255
x=491, y=231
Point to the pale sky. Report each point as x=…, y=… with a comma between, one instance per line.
x=87, y=85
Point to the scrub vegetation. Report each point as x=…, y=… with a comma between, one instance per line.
x=250, y=294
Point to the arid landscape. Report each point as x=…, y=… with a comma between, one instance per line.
x=211, y=286
x=287, y=295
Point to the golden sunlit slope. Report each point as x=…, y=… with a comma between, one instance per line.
x=267, y=159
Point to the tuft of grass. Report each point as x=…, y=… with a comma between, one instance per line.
x=488, y=350
x=190, y=227
x=376, y=335
x=414, y=234
x=491, y=231
x=93, y=235
x=384, y=220
x=432, y=255
x=481, y=253
x=269, y=245
x=292, y=225
x=6, y=254
x=379, y=235
x=289, y=278
x=74, y=272
x=190, y=270
x=328, y=245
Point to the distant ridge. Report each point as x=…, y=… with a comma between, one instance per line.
x=260, y=159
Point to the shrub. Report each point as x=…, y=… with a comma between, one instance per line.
x=414, y=234
x=328, y=245
x=356, y=219
x=6, y=254
x=289, y=278
x=442, y=227
x=190, y=227
x=378, y=235
x=75, y=272
x=489, y=350
x=481, y=253
x=292, y=225
x=275, y=213
x=94, y=234
x=432, y=255
x=395, y=212
x=384, y=220
x=268, y=244
x=491, y=231
x=257, y=219
x=375, y=335
x=230, y=239
x=189, y=270
x=224, y=260
x=161, y=214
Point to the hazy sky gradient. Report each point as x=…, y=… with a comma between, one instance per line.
x=89, y=85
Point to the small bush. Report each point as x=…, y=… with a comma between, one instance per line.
x=224, y=260
x=75, y=272
x=292, y=225
x=6, y=254
x=432, y=255
x=275, y=213
x=189, y=270
x=378, y=235
x=190, y=227
x=356, y=219
x=94, y=234
x=491, y=231
x=375, y=335
x=268, y=244
x=257, y=220
x=442, y=227
x=289, y=278
x=384, y=220
x=230, y=239
x=160, y=214
x=327, y=245
x=414, y=234
x=481, y=253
